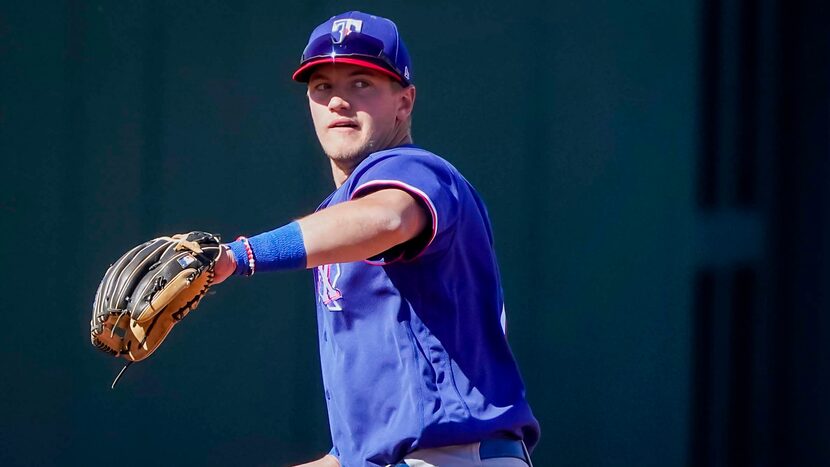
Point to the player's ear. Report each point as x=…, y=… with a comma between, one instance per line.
x=406, y=102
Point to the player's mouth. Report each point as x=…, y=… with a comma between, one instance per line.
x=344, y=123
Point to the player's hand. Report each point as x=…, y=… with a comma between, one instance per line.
x=225, y=265
x=326, y=461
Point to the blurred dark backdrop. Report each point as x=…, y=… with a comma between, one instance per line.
x=656, y=173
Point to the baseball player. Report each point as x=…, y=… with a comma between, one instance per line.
x=416, y=367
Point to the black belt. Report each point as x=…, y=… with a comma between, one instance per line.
x=495, y=448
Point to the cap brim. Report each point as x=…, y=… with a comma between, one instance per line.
x=304, y=72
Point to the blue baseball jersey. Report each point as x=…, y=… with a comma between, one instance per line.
x=412, y=345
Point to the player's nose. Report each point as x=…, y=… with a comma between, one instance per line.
x=338, y=103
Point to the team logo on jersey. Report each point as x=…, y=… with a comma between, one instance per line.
x=330, y=295
x=343, y=27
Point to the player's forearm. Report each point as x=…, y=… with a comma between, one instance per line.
x=360, y=229
x=345, y=232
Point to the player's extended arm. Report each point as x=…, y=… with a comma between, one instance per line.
x=354, y=230
x=361, y=228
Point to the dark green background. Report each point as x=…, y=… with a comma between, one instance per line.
x=587, y=127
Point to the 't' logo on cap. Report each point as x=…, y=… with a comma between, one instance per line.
x=342, y=27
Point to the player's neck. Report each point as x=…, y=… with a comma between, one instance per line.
x=340, y=170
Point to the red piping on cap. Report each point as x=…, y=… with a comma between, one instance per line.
x=351, y=61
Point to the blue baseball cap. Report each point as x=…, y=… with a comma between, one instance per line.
x=359, y=39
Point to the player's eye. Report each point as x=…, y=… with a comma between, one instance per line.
x=322, y=86
x=361, y=84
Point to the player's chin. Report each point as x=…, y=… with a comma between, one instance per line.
x=354, y=155
x=345, y=148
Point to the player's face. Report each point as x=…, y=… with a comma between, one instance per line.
x=357, y=111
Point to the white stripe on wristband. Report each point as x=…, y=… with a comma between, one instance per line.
x=250, y=253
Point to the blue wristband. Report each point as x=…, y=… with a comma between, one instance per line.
x=278, y=250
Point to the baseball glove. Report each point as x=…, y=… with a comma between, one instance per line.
x=150, y=289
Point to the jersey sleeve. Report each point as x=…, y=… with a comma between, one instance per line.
x=428, y=179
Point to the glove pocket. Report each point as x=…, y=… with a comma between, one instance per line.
x=169, y=280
